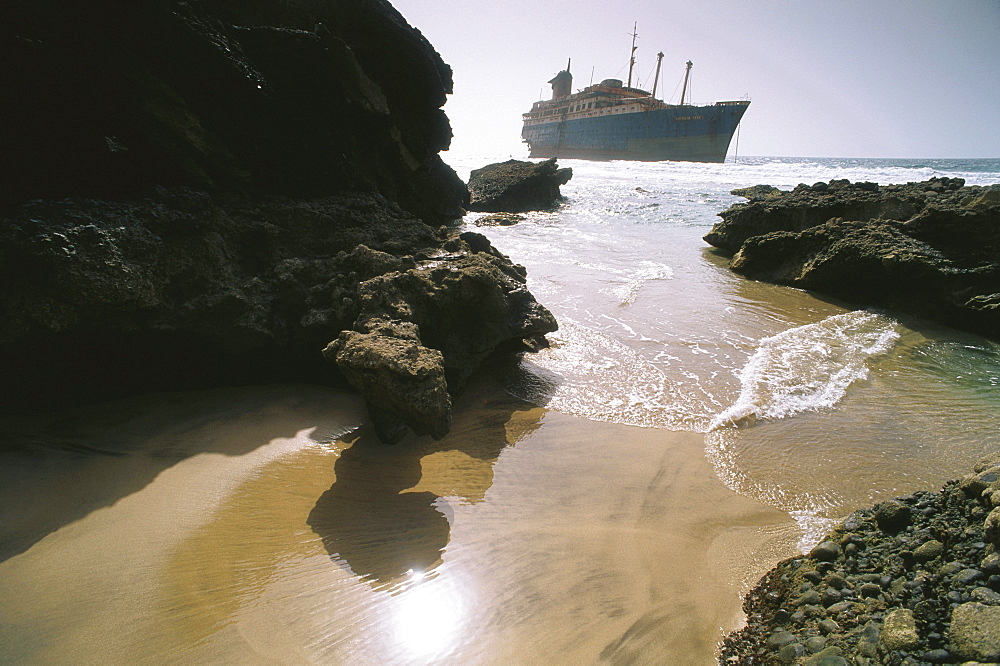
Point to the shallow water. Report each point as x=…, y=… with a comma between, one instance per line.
x=608, y=499
x=807, y=404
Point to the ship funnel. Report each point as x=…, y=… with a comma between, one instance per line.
x=562, y=84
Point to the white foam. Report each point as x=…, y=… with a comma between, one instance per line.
x=808, y=368
x=590, y=374
x=647, y=271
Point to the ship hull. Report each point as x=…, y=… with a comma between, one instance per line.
x=681, y=133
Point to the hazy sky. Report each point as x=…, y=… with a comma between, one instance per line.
x=840, y=78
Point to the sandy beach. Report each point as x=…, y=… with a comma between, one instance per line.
x=265, y=524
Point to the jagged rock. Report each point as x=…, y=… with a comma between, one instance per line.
x=208, y=192
x=463, y=306
x=311, y=99
x=499, y=220
x=929, y=249
x=515, y=186
x=757, y=192
x=397, y=375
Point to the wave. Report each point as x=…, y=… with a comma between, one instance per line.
x=647, y=271
x=590, y=374
x=808, y=368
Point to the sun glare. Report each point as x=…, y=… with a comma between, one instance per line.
x=427, y=617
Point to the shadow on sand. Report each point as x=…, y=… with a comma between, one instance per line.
x=383, y=515
x=57, y=468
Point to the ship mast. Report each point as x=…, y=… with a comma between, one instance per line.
x=656, y=78
x=631, y=60
x=687, y=73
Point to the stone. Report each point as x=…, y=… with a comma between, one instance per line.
x=992, y=459
x=991, y=527
x=928, y=551
x=421, y=332
x=516, y=186
x=815, y=644
x=920, y=247
x=396, y=374
x=810, y=598
x=837, y=582
x=830, y=656
x=974, y=634
x=870, y=590
x=242, y=184
x=826, y=551
x=780, y=639
x=899, y=631
x=975, y=484
x=986, y=596
x=756, y=192
x=938, y=656
x=790, y=653
x=499, y=220
x=828, y=626
x=892, y=516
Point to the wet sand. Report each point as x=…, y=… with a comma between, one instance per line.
x=266, y=525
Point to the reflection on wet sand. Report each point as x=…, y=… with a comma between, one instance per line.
x=380, y=517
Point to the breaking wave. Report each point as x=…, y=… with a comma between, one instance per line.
x=808, y=368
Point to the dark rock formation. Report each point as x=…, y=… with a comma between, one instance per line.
x=931, y=249
x=499, y=220
x=515, y=187
x=876, y=592
x=424, y=329
x=205, y=193
x=307, y=98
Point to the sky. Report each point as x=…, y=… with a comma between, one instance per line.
x=838, y=78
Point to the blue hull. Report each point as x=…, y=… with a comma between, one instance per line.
x=682, y=133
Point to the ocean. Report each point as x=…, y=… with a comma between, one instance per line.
x=609, y=499
x=810, y=405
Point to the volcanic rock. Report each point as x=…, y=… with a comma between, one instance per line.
x=930, y=249
x=515, y=186
x=899, y=605
x=208, y=192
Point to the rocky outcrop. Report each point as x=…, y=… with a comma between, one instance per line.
x=931, y=249
x=913, y=580
x=207, y=193
x=423, y=330
x=516, y=187
x=308, y=99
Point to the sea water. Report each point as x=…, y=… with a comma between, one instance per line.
x=812, y=405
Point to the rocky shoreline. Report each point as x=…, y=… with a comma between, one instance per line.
x=914, y=581
x=928, y=249
x=201, y=193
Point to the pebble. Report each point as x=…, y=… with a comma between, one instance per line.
x=986, y=596
x=829, y=626
x=928, y=551
x=899, y=631
x=892, y=516
x=825, y=552
x=780, y=639
x=911, y=581
x=974, y=634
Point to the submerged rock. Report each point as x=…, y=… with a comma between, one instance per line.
x=515, y=186
x=931, y=249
